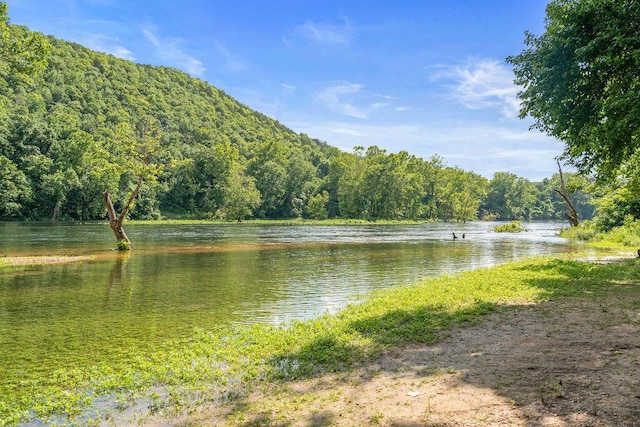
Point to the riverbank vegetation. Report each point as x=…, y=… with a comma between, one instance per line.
x=224, y=364
x=625, y=235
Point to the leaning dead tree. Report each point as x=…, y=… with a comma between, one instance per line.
x=570, y=214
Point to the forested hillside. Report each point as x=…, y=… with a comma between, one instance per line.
x=91, y=123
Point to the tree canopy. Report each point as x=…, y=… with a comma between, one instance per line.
x=581, y=81
x=21, y=51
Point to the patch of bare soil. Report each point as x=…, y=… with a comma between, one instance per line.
x=574, y=362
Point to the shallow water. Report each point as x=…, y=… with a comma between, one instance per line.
x=182, y=277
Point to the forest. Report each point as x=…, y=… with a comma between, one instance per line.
x=89, y=122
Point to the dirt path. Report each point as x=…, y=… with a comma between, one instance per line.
x=574, y=362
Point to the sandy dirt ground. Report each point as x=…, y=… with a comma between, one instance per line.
x=574, y=362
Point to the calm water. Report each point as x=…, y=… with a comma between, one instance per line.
x=181, y=277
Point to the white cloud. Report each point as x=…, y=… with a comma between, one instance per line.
x=121, y=52
x=287, y=89
x=327, y=34
x=170, y=50
x=350, y=99
x=104, y=43
x=481, y=84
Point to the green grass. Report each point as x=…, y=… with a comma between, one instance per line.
x=624, y=236
x=223, y=364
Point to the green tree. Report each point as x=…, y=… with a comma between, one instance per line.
x=284, y=176
x=461, y=194
x=237, y=192
x=581, y=80
x=317, y=206
x=15, y=190
x=22, y=52
x=510, y=197
x=432, y=171
x=550, y=204
x=619, y=198
x=351, y=189
x=242, y=196
x=134, y=154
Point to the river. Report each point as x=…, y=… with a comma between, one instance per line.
x=182, y=277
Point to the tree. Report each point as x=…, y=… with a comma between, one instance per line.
x=14, y=189
x=242, y=196
x=21, y=52
x=510, y=196
x=317, y=206
x=238, y=195
x=551, y=205
x=134, y=153
x=581, y=81
x=463, y=194
x=433, y=171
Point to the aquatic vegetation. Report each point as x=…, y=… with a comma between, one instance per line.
x=511, y=227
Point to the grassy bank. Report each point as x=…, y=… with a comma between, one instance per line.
x=626, y=235
x=225, y=364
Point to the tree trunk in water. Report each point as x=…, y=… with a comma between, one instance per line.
x=115, y=223
x=571, y=214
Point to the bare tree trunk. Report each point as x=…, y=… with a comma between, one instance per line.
x=115, y=223
x=571, y=214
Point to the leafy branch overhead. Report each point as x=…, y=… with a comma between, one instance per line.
x=581, y=81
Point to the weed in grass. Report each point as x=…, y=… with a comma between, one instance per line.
x=376, y=418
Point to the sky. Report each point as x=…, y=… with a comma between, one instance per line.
x=425, y=76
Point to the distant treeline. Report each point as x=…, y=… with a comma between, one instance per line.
x=61, y=147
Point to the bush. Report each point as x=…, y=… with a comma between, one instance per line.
x=585, y=231
x=511, y=227
x=628, y=234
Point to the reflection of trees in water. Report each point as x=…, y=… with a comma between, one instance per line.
x=117, y=277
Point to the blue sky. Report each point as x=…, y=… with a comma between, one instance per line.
x=427, y=77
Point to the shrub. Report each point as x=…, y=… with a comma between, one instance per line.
x=511, y=227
